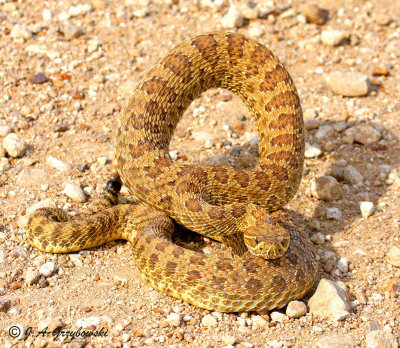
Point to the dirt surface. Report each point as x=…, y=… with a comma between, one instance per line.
x=92, y=56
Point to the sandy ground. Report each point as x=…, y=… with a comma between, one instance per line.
x=93, y=56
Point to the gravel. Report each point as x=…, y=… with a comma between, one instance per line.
x=64, y=99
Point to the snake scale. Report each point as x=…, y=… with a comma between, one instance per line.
x=275, y=262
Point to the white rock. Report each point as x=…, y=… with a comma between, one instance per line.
x=31, y=276
x=343, y=265
x=381, y=339
x=274, y=344
x=233, y=19
x=93, y=45
x=14, y=145
x=278, y=316
x=20, y=33
x=296, y=309
x=334, y=37
x=75, y=193
x=259, y=322
x=140, y=13
x=394, y=256
x=102, y=160
x=333, y=213
x=337, y=341
x=326, y=188
x=366, y=208
x=58, y=164
x=174, y=319
x=47, y=14
x=348, y=84
x=126, y=337
x=256, y=31
x=209, y=321
x=353, y=176
x=48, y=269
x=5, y=130
x=4, y=164
x=328, y=300
x=229, y=340
x=312, y=151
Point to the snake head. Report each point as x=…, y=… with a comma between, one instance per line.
x=267, y=239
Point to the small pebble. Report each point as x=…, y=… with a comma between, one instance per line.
x=296, y=309
x=14, y=145
x=39, y=79
x=75, y=193
x=58, y=164
x=348, y=84
x=278, y=316
x=174, y=319
x=31, y=276
x=259, y=322
x=382, y=19
x=333, y=213
x=314, y=14
x=318, y=238
x=47, y=269
x=366, y=208
x=326, y=188
x=312, y=151
x=334, y=37
x=209, y=321
x=229, y=340
x=394, y=256
x=353, y=176
x=20, y=33
x=72, y=31
x=343, y=265
x=232, y=19
x=5, y=130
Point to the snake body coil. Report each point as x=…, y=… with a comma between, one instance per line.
x=275, y=261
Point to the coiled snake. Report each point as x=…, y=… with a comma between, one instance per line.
x=275, y=261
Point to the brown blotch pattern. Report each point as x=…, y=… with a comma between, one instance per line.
x=277, y=171
x=236, y=46
x=154, y=85
x=193, y=205
x=194, y=274
x=287, y=98
x=238, y=210
x=177, y=252
x=242, y=178
x=220, y=174
x=224, y=265
x=273, y=77
x=284, y=139
x=197, y=260
x=258, y=58
x=155, y=110
x=184, y=187
x=180, y=65
x=207, y=46
x=217, y=213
